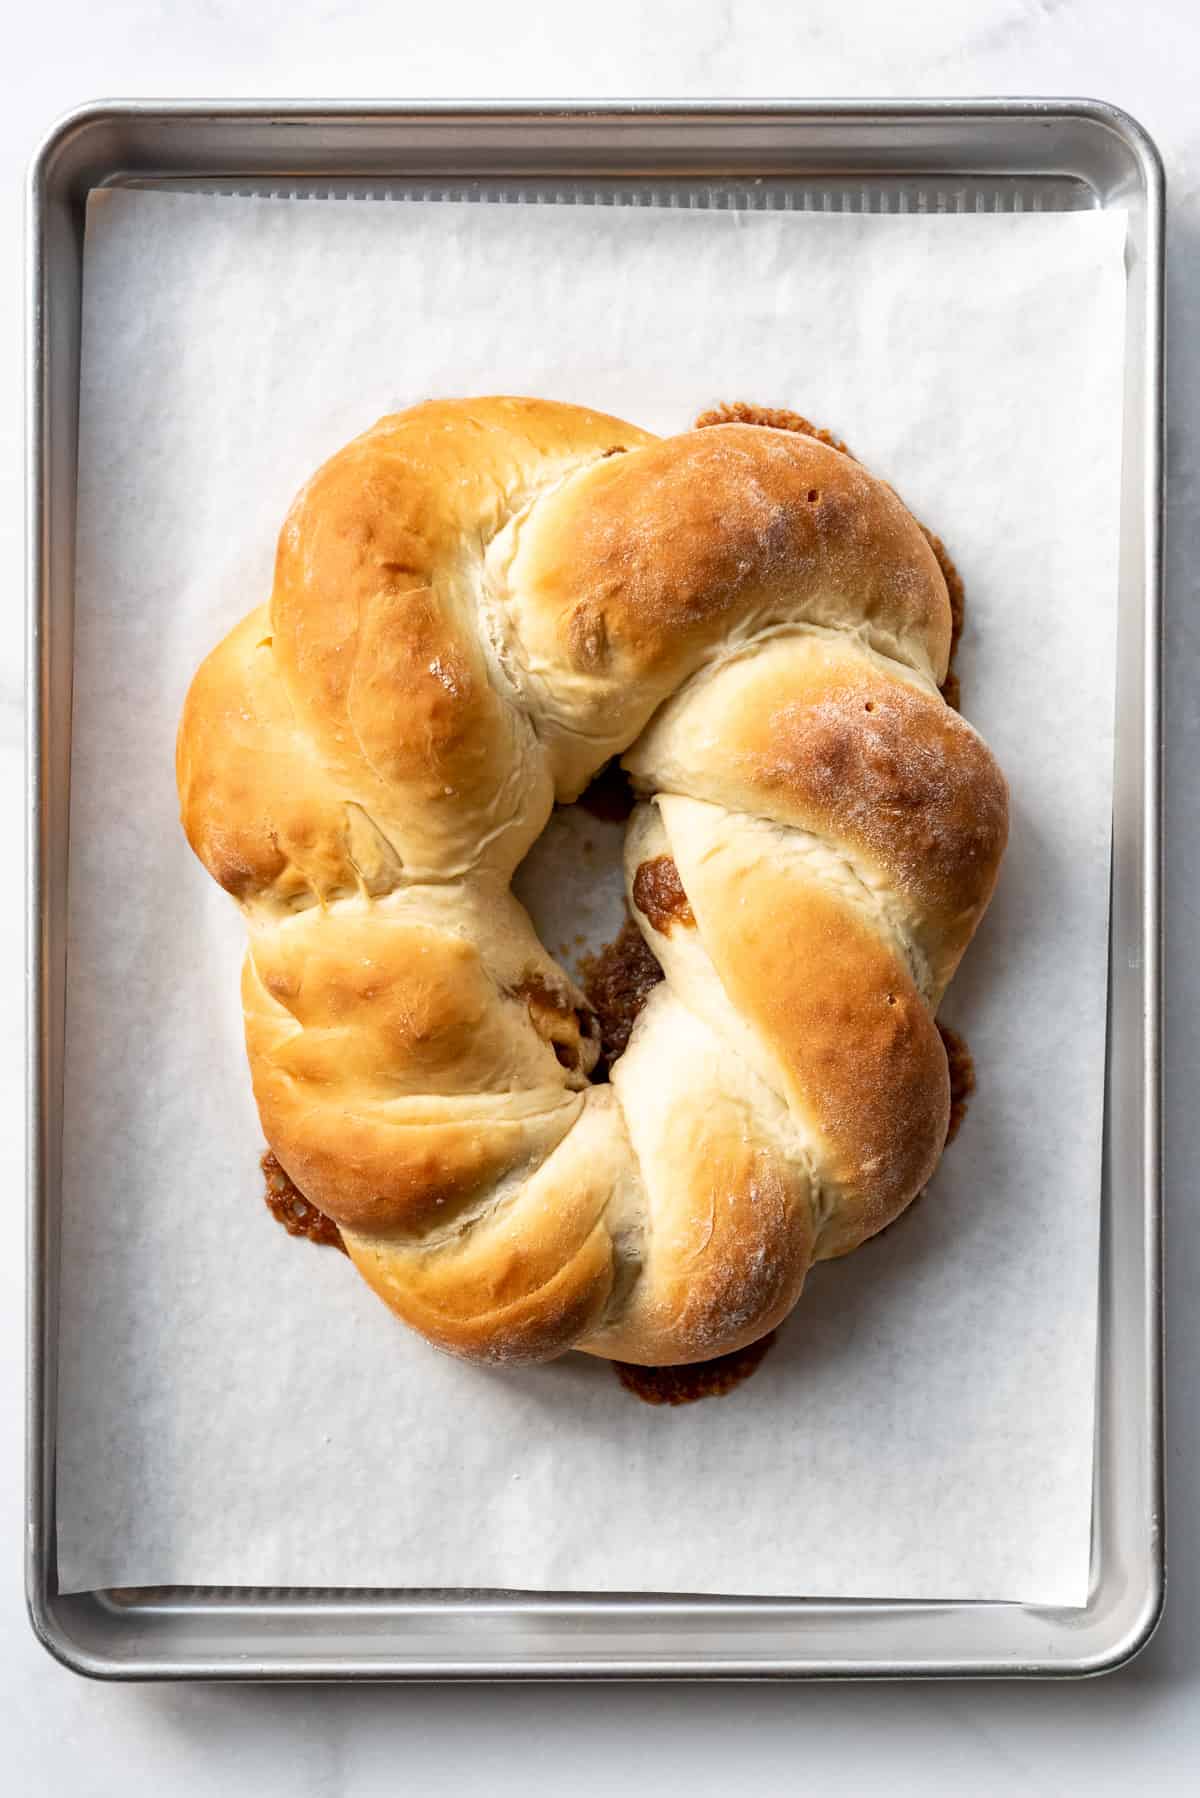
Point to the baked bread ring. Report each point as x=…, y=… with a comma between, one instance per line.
x=476, y=604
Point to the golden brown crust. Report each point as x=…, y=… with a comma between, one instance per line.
x=475, y=605
x=368, y=684
x=629, y=576
x=848, y=1040
x=779, y=418
x=752, y=1215
x=524, y=1326
x=529, y=1275
x=352, y=1020
x=810, y=732
x=256, y=800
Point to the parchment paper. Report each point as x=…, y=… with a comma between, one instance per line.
x=236, y=1407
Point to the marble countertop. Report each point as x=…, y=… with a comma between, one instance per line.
x=1140, y=1727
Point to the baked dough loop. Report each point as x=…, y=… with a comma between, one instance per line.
x=475, y=605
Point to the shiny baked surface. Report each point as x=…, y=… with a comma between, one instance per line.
x=477, y=604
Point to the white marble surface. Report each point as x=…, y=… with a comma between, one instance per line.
x=1138, y=1728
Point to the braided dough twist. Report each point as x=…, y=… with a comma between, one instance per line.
x=476, y=604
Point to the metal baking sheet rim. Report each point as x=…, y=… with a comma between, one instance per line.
x=309, y=1635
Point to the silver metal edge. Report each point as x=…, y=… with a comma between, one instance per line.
x=1153, y=177
x=37, y=1274
x=38, y=1549
x=1129, y=1641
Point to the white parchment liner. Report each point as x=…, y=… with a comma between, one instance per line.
x=235, y=1407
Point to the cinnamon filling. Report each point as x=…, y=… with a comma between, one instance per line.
x=658, y=894
x=289, y=1207
x=700, y=1379
x=569, y=1031
x=617, y=983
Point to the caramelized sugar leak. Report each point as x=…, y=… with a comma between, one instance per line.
x=620, y=978
x=700, y=1379
x=962, y=1085
x=658, y=894
x=773, y=418
x=289, y=1207
x=962, y=1077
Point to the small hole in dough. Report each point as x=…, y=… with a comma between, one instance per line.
x=870, y=706
x=813, y=496
x=891, y=998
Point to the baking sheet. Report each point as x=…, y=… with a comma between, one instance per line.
x=235, y=1408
